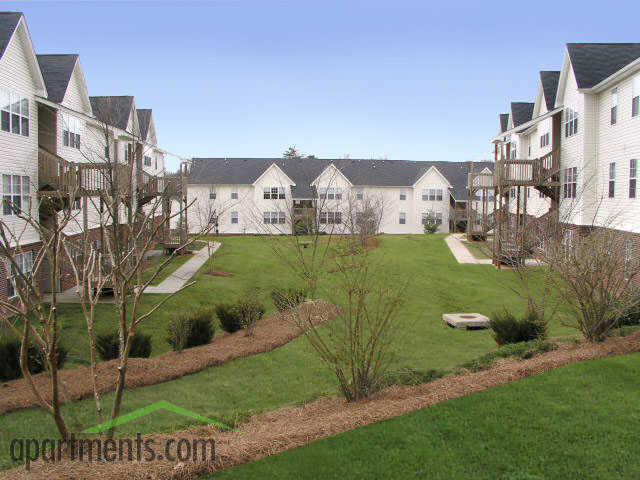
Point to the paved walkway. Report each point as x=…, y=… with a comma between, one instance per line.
x=461, y=252
x=182, y=275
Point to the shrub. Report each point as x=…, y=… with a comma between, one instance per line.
x=230, y=319
x=521, y=350
x=287, y=298
x=242, y=314
x=631, y=317
x=191, y=330
x=10, y=359
x=430, y=225
x=509, y=329
x=411, y=376
x=108, y=345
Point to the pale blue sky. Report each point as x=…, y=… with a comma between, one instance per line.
x=405, y=79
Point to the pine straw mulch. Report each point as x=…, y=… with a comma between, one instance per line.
x=269, y=333
x=283, y=429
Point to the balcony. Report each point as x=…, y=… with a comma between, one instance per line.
x=524, y=172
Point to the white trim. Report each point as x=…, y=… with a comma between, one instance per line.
x=273, y=165
x=331, y=165
x=432, y=167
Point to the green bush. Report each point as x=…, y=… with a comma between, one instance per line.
x=10, y=358
x=521, y=350
x=411, y=376
x=507, y=328
x=242, y=314
x=108, y=345
x=285, y=298
x=191, y=330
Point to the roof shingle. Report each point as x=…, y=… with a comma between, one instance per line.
x=113, y=111
x=549, y=80
x=56, y=71
x=594, y=62
x=360, y=172
x=144, y=120
x=8, y=23
x=521, y=112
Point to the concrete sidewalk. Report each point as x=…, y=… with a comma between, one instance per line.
x=182, y=275
x=462, y=253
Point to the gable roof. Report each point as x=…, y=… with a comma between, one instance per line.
x=8, y=23
x=56, y=71
x=504, y=122
x=549, y=80
x=144, y=121
x=521, y=112
x=594, y=62
x=360, y=172
x=113, y=110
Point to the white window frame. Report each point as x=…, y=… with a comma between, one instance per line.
x=635, y=96
x=612, y=180
x=570, y=122
x=16, y=190
x=403, y=195
x=633, y=178
x=234, y=217
x=402, y=219
x=14, y=113
x=359, y=194
x=147, y=161
x=24, y=261
x=234, y=194
x=614, y=106
x=71, y=131
x=212, y=193
x=570, y=182
x=544, y=140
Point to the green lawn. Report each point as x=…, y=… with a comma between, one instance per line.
x=480, y=250
x=291, y=374
x=581, y=421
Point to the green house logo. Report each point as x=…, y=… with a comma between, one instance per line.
x=141, y=412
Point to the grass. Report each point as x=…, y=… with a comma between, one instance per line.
x=480, y=250
x=290, y=374
x=580, y=421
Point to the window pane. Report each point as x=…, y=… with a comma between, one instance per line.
x=25, y=126
x=15, y=123
x=26, y=185
x=16, y=184
x=25, y=107
x=15, y=104
x=6, y=122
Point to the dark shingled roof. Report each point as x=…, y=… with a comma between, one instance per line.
x=521, y=112
x=363, y=172
x=8, y=23
x=504, y=122
x=144, y=120
x=549, y=80
x=56, y=71
x=113, y=111
x=594, y=62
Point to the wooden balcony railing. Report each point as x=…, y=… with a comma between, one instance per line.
x=530, y=172
x=55, y=173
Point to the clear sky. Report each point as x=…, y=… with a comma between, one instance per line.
x=402, y=79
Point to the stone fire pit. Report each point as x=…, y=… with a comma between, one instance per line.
x=470, y=321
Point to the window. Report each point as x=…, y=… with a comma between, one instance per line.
x=614, y=106
x=635, y=97
x=432, y=194
x=331, y=218
x=513, y=150
x=147, y=161
x=234, y=195
x=403, y=218
x=212, y=193
x=570, y=122
x=16, y=194
x=569, y=182
x=331, y=193
x=403, y=194
x=14, y=113
x=71, y=127
x=359, y=194
x=273, y=193
x=430, y=216
x=633, y=175
x=24, y=263
x=270, y=217
x=544, y=140
x=528, y=192
x=338, y=194
x=77, y=204
x=612, y=179
x=234, y=217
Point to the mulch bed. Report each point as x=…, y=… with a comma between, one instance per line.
x=283, y=429
x=218, y=273
x=269, y=333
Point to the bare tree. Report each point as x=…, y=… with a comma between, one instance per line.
x=364, y=214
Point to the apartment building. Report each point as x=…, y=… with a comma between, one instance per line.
x=587, y=117
x=273, y=195
x=51, y=135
